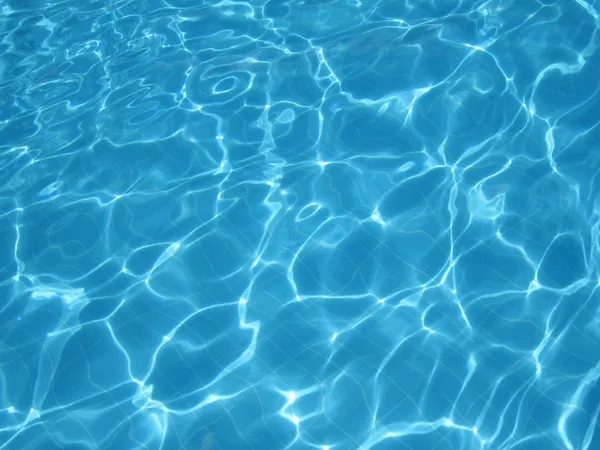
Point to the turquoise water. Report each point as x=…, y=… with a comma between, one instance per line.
x=329, y=225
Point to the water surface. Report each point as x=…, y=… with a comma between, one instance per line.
x=299, y=225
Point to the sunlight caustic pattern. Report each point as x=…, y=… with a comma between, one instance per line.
x=334, y=225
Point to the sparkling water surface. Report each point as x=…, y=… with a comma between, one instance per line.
x=329, y=225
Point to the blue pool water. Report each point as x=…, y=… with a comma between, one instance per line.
x=328, y=225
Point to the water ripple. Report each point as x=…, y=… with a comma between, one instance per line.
x=346, y=224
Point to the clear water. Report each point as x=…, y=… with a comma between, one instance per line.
x=299, y=225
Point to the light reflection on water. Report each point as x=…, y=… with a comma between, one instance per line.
x=299, y=225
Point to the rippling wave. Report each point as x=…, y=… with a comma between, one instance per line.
x=344, y=224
